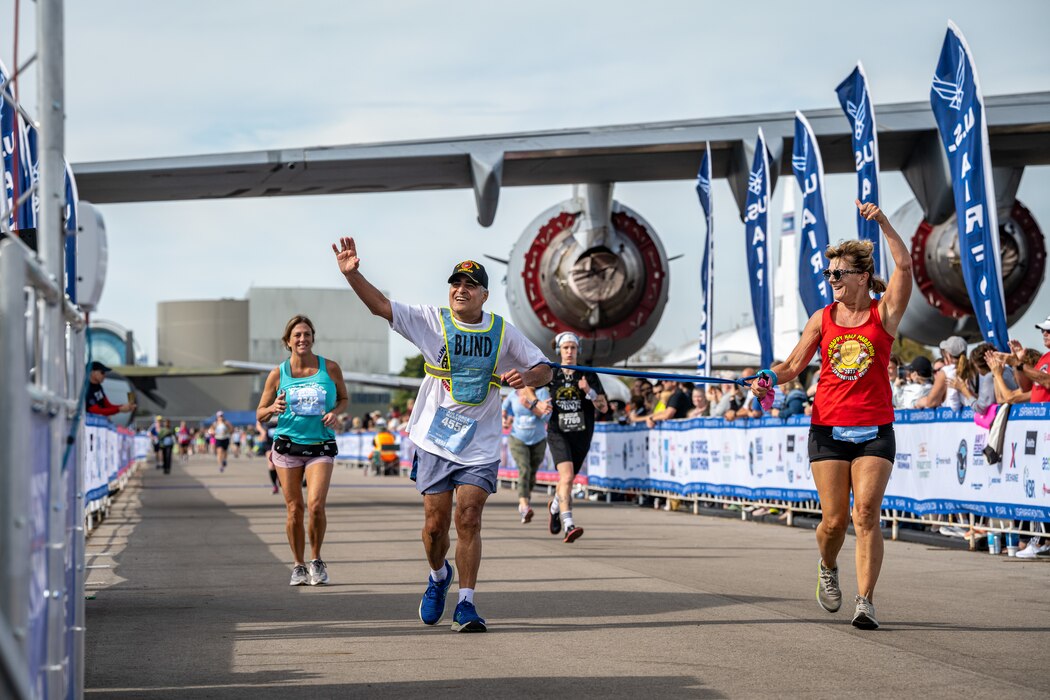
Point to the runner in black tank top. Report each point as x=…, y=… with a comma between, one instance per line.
x=574, y=396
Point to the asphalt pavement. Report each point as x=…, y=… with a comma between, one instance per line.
x=189, y=598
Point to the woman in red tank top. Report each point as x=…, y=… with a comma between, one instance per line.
x=851, y=444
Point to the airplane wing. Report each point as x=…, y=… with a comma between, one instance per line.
x=147, y=371
x=1018, y=125
x=387, y=381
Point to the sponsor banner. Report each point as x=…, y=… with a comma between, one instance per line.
x=109, y=453
x=958, y=108
x=756, y=232
x=940, y=466
x=809, y=171
x=856, y=103
x=703, y=191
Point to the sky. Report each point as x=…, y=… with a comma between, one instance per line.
x=148, y=79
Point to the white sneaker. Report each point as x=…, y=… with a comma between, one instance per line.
x=864, y=617
x=299, y=576
x=952, y=531
x=318, y=572
x=1032, y=550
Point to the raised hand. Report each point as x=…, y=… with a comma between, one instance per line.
x=1017, y=349
x=870, y=211
x=346, y=255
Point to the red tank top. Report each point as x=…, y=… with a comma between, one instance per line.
x=853, y=388
x=1039, y=394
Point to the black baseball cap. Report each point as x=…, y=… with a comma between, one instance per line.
x=921, y=365
x=96, y=365
x=474, y=271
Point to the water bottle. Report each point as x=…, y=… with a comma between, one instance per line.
x=994, y=546
x=1013, y=542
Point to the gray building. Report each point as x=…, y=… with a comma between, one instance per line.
x=345, y=331
x=202, y=334
x=205, y=333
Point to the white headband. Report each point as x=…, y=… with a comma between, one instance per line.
x=564, y=336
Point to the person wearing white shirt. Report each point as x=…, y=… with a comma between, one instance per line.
x=455, y=424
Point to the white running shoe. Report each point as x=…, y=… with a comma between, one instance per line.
x=1032, y=550
x=318, y=572
x=299, y=575
x=864, y=617
x=829, y=595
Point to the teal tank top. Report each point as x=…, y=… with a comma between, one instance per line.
x=307, y=400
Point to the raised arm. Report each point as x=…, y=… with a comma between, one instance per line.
x=898, y=289
x=349, y=264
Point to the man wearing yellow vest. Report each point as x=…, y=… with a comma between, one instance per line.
x=455, y=424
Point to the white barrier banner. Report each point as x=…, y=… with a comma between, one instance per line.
x=939, y=465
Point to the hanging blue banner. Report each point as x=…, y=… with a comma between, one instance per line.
x=756, y=214
x=9, y=139
x=856, y=103
x=28, y=171
x=703, y=191
x=809, y=172
x=959, y=111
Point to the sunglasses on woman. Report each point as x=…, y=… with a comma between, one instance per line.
x=837, y=274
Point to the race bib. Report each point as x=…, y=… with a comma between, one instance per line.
x=308, y=400
x=571, y=422
x=855, y=434
x=451, y=431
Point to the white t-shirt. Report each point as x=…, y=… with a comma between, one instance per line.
x=952, y=398
x=421, y=326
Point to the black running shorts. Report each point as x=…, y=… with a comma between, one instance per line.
x=823, y=447
x=570, y=447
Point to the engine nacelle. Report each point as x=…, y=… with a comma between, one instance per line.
x=938, y=279
x=591, y=266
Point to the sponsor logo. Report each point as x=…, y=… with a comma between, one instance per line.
x=1029, y=484
x=1029, y=442
x=754, y=182
x=979, y=441
x=791, y=477
x=751, y=458
x=1046, y=464
x=960, y=462
x=950, y=88
x=859, y=115
x=924, y=451
x=790, y=443
x=1013, y=455
x=902, y=460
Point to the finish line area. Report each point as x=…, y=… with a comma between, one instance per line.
x=189, y=597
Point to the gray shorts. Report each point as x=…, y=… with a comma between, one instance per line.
x=434, y=474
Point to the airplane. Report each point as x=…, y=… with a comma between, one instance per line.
x=594, y=266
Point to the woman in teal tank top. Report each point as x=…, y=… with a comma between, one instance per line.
x=306, y=394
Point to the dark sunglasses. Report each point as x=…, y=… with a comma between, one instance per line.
x=837, y=274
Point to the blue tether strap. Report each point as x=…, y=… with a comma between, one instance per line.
x=655, y=375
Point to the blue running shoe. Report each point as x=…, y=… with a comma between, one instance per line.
x=432, y=606
x=467, y=619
